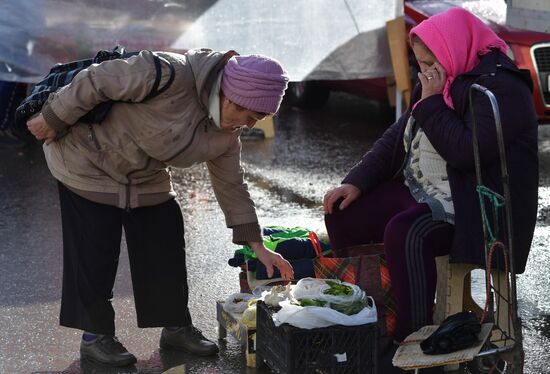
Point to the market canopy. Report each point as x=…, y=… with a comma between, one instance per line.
x=313, y=39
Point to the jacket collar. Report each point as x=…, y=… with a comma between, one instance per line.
x=487, y=64
x=204, y=91
x=494, y=60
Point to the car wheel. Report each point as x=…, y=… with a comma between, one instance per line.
x=307, y=94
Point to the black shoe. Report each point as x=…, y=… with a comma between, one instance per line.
x=189, y=339
x=106, y=350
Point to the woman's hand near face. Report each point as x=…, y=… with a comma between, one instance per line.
x=433, y=80
x=347, y=191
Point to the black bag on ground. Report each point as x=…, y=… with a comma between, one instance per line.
x=457, y=332
x=62, y=74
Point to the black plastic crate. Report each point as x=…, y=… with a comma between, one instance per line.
x=329, y=350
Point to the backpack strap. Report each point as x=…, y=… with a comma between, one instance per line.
x=155, y=89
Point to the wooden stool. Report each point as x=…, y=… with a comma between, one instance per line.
x=267, y=126
x=453, y=295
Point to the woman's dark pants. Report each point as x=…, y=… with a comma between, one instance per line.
x=412, y=240
x=92, y=235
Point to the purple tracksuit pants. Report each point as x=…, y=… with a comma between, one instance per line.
x=412, y=239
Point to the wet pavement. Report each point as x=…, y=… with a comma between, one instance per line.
x=288, y=176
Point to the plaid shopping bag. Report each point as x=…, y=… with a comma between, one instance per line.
x=374, y=278
x=366, y=266
x=344, y=269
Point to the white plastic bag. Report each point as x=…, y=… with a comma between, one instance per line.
x=309, y=287
x=313, y=288
x=276, y=295
x=310, y=317
x=237, y=302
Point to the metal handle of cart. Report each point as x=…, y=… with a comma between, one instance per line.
x=511, y=299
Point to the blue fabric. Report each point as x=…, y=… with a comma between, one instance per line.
x=303, y=268
x=291, y=249
x=298, y=248
x=251, y=265
x=88, y=336
x=271, y=230
x=294, y=248
x=291, y=243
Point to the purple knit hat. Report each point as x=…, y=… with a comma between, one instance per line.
x=255, y=82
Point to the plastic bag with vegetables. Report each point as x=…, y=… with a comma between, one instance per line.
x=326, y=302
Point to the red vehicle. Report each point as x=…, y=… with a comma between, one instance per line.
x=529, y=49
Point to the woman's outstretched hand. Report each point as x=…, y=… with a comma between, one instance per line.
x=272, y=259
x=347, y=191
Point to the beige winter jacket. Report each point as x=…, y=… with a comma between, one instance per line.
x=123, y=161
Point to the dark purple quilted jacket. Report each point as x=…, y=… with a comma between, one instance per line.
x=450, y=132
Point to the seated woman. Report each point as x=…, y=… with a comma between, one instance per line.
x=415, y=189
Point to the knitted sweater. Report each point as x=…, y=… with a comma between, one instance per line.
x=426, y=174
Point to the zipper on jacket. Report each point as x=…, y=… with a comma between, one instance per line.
x=128, y=185
x=128, y=176
x=93, y=138
x=203, y=107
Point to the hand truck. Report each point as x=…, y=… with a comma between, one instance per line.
x=503, y=352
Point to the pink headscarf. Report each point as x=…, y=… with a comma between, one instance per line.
x=456, y=37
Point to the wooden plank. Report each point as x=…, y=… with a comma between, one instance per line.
x=266, y=125
x=409, y=355
x=397, y=40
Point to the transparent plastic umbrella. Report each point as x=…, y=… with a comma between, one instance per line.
x=313, y=39
x=36, y=34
